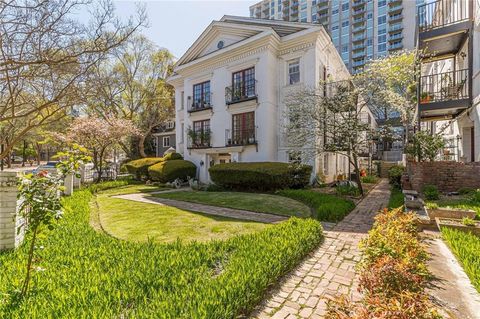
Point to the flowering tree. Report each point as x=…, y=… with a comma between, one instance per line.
x=99, y=136
x=46, y=53
x=40, y=205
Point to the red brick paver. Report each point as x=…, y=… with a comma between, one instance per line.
x=330, y=270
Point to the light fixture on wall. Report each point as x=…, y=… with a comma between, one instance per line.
x=463, y=55
x=202, y=163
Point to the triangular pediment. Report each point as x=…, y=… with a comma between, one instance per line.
x=219, y=36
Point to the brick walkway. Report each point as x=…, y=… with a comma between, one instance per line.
x=206, y=209
x=330, y=269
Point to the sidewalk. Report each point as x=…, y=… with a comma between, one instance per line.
x=330, y=270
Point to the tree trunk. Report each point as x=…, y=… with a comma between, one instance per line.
x=357, y=173
x=141, y=145
x=26, y=282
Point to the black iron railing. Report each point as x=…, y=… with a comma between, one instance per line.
x=199, y=139
x=240, y=137
x=241, y=91
x=444, y=86
x=441, y=13
x=198, y=104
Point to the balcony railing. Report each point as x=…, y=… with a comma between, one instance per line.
x=396, y=36
x=358, y=19
x=444, y=86
x=359, y=37
x=358, y=54
x=441, y=13
x=395, y=17
x=241, y=91
x=395, y=27
x=197, y=140
x=199, y=104
x=358, y=46
x=239, y=137
x=395, y=46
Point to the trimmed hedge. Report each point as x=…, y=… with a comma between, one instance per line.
x=139, y=167
x=87, y=274
x=169, y=171
x=260, y=175
x=329, y=208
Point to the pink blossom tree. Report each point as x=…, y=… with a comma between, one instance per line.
x=100, y=136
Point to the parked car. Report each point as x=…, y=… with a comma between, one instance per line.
x=49, y=167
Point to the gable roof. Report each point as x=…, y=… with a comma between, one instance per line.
x=239, y=29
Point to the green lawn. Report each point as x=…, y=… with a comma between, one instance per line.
x=466, y=247
x=396, y=198
x=326, y=207
x=262, y=203
x=137, y=221
x=82, y=273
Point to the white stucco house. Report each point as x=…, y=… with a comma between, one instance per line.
x=230, y=88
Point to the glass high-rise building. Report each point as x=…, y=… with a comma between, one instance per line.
x=360, y=29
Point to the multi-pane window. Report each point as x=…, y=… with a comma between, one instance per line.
x=294, y=72
x=382, y=47
x=345, y=23
x=243, y=128
x=382, y=19
x=201, y=95
x=166, y=141
x=345, y=6
x=382, y=3
x=201, y=131
x=243, y=83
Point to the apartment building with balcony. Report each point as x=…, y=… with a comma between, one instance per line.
x=360, y=29
x=231, y=86
x=449, y=83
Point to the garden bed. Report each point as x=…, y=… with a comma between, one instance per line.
x=449, y=212
x=458, y=225
x=83, y=273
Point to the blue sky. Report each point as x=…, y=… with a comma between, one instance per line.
x=175, y=25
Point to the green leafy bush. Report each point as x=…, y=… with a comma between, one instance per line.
x=260, y=175
x=169, y=171
x=431, y=192
x=369, y=179
x=139, y=167
x=87, y=274
x=395, y=175
x=327, y=207
x=466, y=246
x=347, y=190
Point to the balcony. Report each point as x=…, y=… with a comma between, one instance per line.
x=359, y=28
x=359, y=19
x=395, y=18
x=359, y=54
x=198, y=140
x=358, y=3
x=395, y=37
x=395, y=46
x=241, y=137
x=359, y=37
x=201, y=104
x=241, y=92
x=395, y=8
x=322, y=4
x=395, y=27
x=445, y=93
x=359, y=46
x=358, y=63
x=443, y=19
x=358, y=12
x=323, y=18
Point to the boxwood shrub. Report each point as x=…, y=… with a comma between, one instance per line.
x=395, y=175
x=260, y=175
x=139, y=167
x=168, y=171
x=83, y=273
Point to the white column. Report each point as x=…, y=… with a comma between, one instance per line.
x=9, y=237
x=68, y=184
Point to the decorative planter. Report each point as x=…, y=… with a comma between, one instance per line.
x=444, y=212
x=457, y=224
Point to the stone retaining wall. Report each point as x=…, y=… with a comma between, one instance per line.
x=447, y=176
